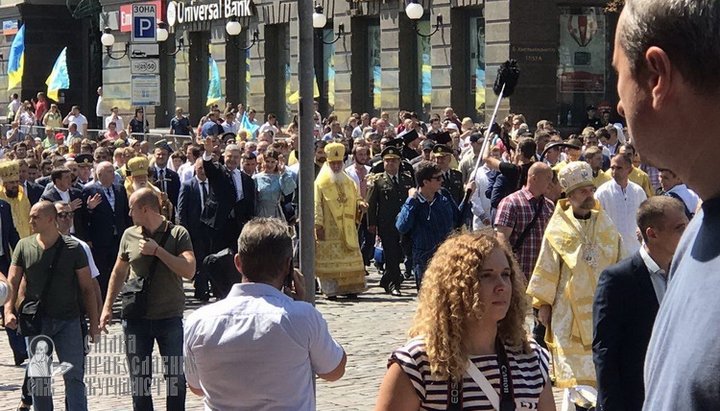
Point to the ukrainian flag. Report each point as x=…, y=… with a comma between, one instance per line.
x=16, y=61
x=214, y=94
x=58, y=78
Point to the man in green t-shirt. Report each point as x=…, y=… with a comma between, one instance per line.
x=59, y=283
x=162, y=322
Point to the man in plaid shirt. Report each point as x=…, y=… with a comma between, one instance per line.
x=516, y=212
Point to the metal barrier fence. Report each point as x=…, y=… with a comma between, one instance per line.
x=175, y=141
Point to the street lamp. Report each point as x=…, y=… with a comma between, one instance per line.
x=320, y=21
x=107, y=39
x=233, y=28
x=162, y=34
x=414, y=11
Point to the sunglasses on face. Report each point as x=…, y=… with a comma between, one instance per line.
x=65, y=214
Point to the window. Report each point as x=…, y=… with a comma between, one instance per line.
x=477, y=64
x=582, y=68
x=366, y=74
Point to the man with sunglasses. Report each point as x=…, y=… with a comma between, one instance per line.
x=428, y=216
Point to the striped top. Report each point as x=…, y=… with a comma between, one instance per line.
x=529, y=376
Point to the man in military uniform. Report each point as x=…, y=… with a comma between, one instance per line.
x=452, y=179
x=378, y=165
x=387, y=191
x=84, y=170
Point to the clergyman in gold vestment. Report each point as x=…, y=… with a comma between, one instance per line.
x=338, y=263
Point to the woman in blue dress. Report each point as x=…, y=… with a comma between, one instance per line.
x=273, y=184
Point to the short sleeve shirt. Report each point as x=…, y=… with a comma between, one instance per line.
x=529, y=373
x=257, y=349
x=63, y=290
x=180, y=126
x=166, y=295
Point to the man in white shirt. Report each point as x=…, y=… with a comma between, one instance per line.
x=621, y=198
x=192, y=153
x=257, y=348
x=230, y=125
x=114, y=116
x=270, y=124
x=74, y=116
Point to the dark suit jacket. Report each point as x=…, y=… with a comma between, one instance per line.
x=34, y=191
x=51, y=194
x=624, y=311
x=43, y=181
x=102, y=224
x=173, y=184
x=223, y=197
x=9, y=234
x=189, y=211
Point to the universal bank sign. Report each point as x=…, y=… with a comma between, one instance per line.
x=181, y=13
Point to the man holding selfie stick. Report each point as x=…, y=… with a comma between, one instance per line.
x=257, y=348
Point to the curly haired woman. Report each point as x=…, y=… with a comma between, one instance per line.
x=471, y=308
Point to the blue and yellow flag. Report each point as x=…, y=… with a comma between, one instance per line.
x=214, y=94
x=58, y=78
x=246, y=125
x=16, y=61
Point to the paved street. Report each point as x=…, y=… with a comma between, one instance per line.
x=369, y=329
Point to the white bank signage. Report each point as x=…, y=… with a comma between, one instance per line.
x=181, y=13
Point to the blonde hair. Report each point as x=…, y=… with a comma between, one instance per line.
x=450, y=299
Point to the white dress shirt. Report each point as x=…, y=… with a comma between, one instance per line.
x=622, y=206
x=64, y=195
x=658, y=276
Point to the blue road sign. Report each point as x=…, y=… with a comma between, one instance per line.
x=144, y=23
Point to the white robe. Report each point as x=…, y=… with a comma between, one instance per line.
x=622, y=206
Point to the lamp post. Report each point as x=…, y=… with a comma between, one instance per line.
x=415, y=11
x=233, y=28
x=161, y=33
x=320, y=21
x=108, y=40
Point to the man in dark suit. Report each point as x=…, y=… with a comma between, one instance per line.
x=231, y=202
x=106, y=216
x=32, y=190
x=193, y=196
x=62, y=190
x=627, y=299
x=164, y=178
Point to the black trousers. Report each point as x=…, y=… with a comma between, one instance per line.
x=366, y=240
x=393, y=252
x=105, y=261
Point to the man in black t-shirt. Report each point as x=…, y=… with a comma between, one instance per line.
x=512, y=175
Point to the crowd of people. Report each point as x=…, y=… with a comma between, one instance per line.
x=494, y=226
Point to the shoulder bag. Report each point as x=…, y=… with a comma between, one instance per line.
x=521, y=238
x=29, y=313
x=134, y=294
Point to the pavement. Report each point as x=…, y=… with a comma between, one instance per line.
x=369, y=329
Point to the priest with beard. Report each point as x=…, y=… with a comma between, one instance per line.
x=338, y=209
x=137, y=169
x=12, y=193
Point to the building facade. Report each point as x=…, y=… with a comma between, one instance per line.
x=381, y=61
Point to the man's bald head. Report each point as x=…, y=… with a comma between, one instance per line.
x=540, y=176
x=44, y=209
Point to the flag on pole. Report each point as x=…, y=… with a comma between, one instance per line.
x=58, y=78
x=16, y=61
x=214, y=94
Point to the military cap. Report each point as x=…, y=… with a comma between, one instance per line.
x=137, y=166
x=390, y=152
x=85, y=160
x=163, y=144
x=442, y=150
x=428, y=144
